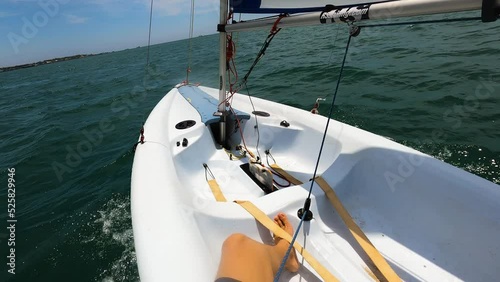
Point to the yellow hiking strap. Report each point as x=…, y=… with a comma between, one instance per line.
x=285, y=174
x=379, y=261
x=214, y=186
x=273, y=227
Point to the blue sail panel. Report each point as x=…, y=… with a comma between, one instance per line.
x=291, y=6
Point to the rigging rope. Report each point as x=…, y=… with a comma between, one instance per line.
x=190, y=46
x=149, y=36
x=146, y=70
x=231, y=69
x=262, y=51
x=329, y=115
x=256, y=122
x=273, y=171
x=308, y=200
x=334, y=42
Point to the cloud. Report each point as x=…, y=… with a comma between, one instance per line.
x=74, y=19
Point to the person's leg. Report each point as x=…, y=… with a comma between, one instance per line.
x=245, y=259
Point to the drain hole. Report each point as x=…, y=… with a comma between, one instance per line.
x=185, y=124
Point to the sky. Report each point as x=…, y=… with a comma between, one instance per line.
x=34, y=30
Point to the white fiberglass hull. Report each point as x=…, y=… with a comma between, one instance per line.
x=430, y=220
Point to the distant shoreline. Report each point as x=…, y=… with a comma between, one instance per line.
x=46, y=62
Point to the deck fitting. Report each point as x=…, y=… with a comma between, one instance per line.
x=309, y=214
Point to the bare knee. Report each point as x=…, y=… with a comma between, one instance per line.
x=234, y=241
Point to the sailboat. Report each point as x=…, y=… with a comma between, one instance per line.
x=213, y=162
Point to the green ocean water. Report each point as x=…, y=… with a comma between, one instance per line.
x=68, y=128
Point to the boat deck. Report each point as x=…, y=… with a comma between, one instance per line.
x=421, y=214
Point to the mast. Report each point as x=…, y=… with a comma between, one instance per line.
x=375, y=11
x=221, y=110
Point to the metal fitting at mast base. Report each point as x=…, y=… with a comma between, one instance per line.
x=222, y=130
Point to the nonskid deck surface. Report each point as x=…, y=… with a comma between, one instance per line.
x=431, y=221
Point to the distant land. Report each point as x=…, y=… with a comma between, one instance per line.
x=45, y=62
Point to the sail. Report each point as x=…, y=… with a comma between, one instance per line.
x=291, y=6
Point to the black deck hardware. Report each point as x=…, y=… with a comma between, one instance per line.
x=306, y=208
x=221, y=28
x=261, y=113
x=185, y=124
